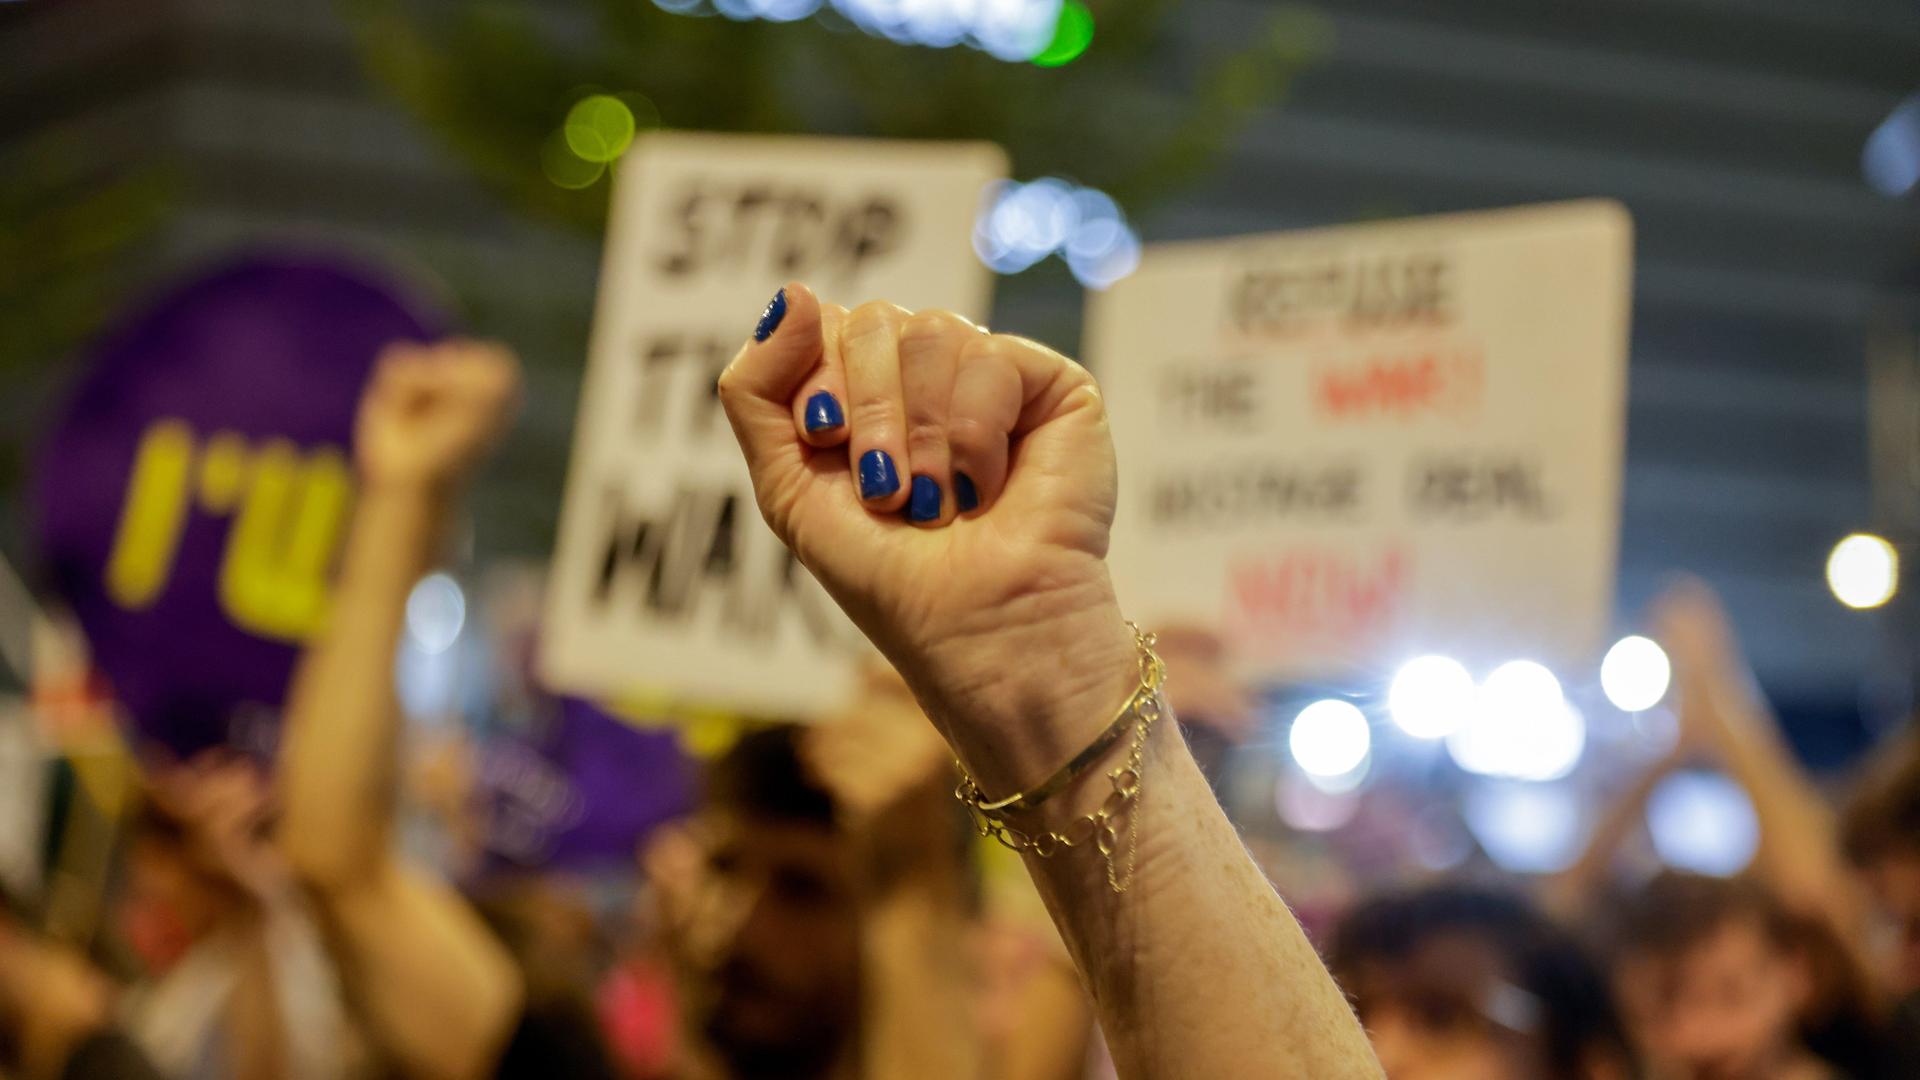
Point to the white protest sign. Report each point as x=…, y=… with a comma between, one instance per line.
x=1349, y=446
x=664, y=576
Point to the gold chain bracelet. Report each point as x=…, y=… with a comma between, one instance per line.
x=1097, y=828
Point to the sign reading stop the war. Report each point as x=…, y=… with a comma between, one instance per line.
x=1346, y=447
x=664, y=575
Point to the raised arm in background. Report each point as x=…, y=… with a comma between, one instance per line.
x=1571, y=894
x=1723, y=717
x=1003, y=621
x=440, y=993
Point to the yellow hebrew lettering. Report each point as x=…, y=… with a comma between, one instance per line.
x=155, y=511
x=273, y=575
x=223, y=471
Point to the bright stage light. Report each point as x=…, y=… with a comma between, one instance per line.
x=1704, y=822
x=1635, y=674
x=1863, y=571
x=1521, y=727
x=1431, y=697
x=1329, y=738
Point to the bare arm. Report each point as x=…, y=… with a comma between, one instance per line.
x=440, y=992
x=1004, y=622
x=1571, y=893
x=1724, y=716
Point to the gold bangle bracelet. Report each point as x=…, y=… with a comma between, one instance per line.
x=1097, y=829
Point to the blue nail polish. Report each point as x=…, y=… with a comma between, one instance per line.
x=770, y=318
x=963, y=494
x=823, y=412
x=923, y=503
x=877, y=476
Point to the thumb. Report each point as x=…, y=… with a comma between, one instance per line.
x=757, y=388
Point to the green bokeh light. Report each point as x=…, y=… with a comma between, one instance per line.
x=599, y=128
x=1071, y=36
x=565, y=168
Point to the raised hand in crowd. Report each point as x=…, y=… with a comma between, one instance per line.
x=440, y=994
x=960, y=514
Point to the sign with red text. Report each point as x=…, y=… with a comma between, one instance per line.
x=664, y=575
x=1346, y=447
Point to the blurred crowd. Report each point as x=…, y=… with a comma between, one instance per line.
x=828, y=911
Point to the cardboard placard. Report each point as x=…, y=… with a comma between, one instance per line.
x=664, y=575
x=1349, y=446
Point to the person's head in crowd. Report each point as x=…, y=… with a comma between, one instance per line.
x=767, y=941
x=1458, y=982
x=196, y=848
x=1881, y=835
x=1714, y=977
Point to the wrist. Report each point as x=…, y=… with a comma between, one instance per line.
x=1049, y=690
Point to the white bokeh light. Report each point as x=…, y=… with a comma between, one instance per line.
x=1704, y=822
x=1431, y=697
x=1019, y=225
x=436, y=613
x=1635, y=673
x=1012, y=30
x=1329, y=738
x=1863, y=571
x=1525, y=828
x=1521, y=727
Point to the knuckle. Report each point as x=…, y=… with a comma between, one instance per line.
x=971, y=435
x=874, y=317
x=930, y=327
x=874, y=415
x=926, y=438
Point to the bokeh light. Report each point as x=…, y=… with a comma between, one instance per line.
x=1071, y=36
x=1525, y=828
x=1431, y=697
x=1021, y=224
x=1863, y=571
x=1521, y=727
x=1305, y=805
x=1703, y=822
x=1012, y=30
x=599, y=128
x=436, y=613
x=1635, y=673
x=1890, y=161
x=1329, y=738
x=564, y=168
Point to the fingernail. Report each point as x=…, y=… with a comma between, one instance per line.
x=877, y=476
x=963, y=494
x=923, y=504
x=823, y=412
x=770, y=318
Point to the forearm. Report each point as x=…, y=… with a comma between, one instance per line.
x=341, y=758
x=1797, y=853
x=1198, y=969
x=1569, y=893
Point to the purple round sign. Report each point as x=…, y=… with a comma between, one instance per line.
x=191, y=500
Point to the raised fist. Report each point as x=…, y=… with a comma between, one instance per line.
x=953, y=490
x=431, y=412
